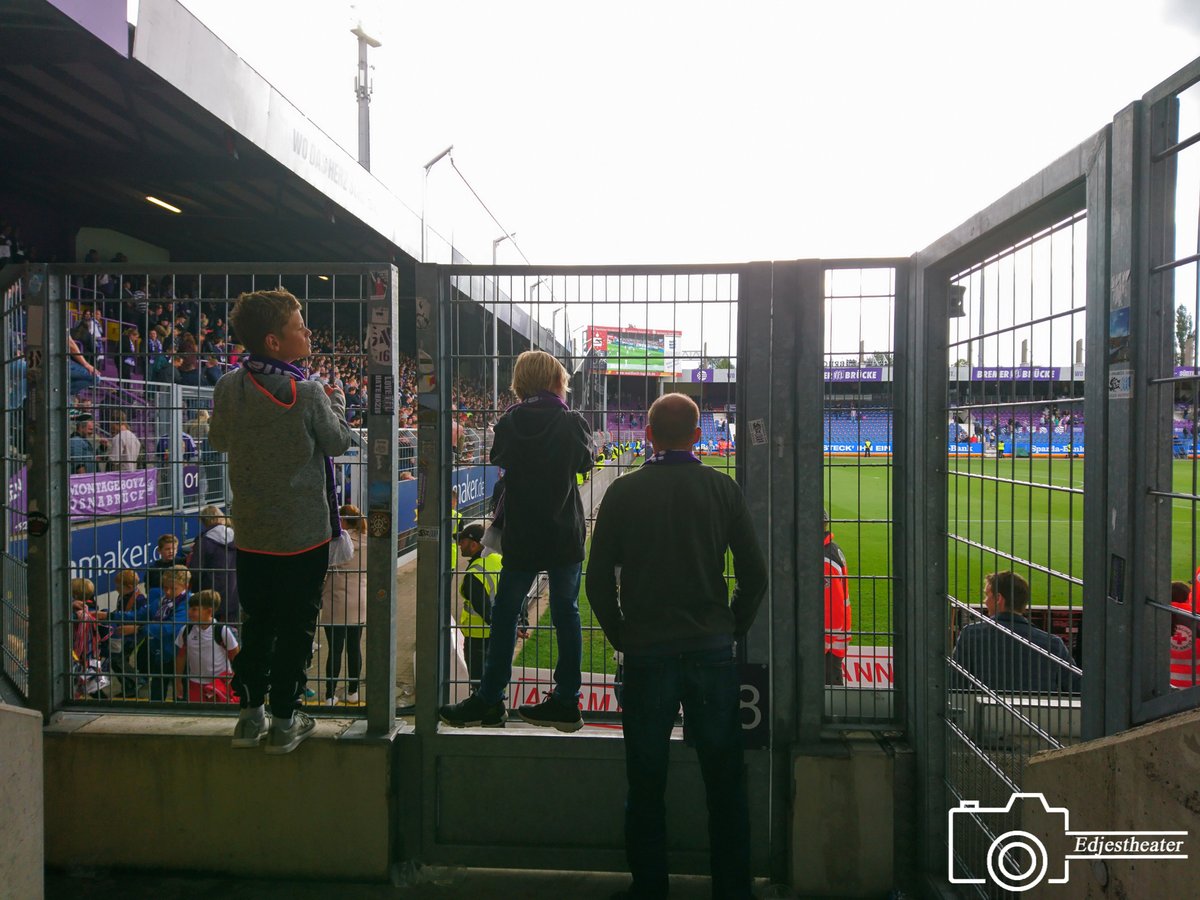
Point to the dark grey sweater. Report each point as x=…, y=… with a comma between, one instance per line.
x=668, y=527
x=277, y=433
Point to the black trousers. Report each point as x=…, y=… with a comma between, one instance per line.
x=349, y=638
x=281, y=599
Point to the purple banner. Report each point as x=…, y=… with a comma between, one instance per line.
x=191, y=480
x=850, y=373
x=105, y=19
x=702, y=375
x=16, y=502
x=1180, y=371
x=109, y=493
x=1017, y=373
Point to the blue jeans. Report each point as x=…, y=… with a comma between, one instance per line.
x=80, y=378
x=705, y=682
x=564, y=614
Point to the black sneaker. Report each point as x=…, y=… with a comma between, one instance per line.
x=474, y=712
x=553, y=713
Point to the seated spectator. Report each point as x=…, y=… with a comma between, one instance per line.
x=89, y=335
x=82, y=374
x=213, y=561
x=999, y=652
x=124, y=448
x=204, y=653
x=168, y=557
x=83, y=450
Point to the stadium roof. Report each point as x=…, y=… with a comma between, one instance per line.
x=93, y=124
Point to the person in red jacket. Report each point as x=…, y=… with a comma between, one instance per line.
x=1185, y=655
x=837, y=608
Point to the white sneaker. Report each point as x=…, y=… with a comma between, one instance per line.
x=331, y=701
x=352, y=698
x=250, y=732
x=286, y=738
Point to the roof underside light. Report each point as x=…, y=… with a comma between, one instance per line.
x=164, y=204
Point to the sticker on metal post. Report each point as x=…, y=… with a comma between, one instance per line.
x=379, y=343
x=383, y=395
x=1120, y=384
x=429, y=533
x=424, y=312
x=758, y=431
x=426, y=373
x=379, y=523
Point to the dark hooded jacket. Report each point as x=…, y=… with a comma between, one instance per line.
x=213, y=562
x=542, y=449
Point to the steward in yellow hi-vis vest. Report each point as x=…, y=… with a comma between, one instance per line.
x=478, y=593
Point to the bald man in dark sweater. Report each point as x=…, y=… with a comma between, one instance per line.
x=656, y=583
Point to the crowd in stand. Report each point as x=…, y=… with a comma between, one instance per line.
x=12, y=248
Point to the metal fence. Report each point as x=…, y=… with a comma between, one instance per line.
x=859, y=409
x=1168, y=622
x=635, y=336
x=1015, y=521
x=149, y=537
x=14, y=395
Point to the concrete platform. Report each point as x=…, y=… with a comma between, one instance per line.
x=425, y=884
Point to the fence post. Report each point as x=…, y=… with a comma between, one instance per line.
x=382, y=515
x=48, y=520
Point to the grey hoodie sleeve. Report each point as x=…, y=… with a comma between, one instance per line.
x=330, y=431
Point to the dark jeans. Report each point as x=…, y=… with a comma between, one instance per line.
x=705, y=682
x=564, y=614
x=281, y=599
x=833, y=669
x=348, y=637
x=476, y=653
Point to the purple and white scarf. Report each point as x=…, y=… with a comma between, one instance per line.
x=541, y=400
x=265, y=365
x=672, y=458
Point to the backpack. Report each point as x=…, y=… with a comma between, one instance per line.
x=219, y=637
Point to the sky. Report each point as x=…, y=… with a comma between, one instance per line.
x=635, y=132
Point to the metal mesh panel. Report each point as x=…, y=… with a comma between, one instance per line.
x=624, y=340
x=149, y=496
x=1014, y=426
x=14, y=599
x=858, y=417
x=1171, y=659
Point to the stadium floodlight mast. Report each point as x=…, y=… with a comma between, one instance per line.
x=424, y=192
x=507, y=236
x=363, y=88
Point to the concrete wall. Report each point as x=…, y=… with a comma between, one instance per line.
x=167, y=792
x=1145, y=779
x=21, y=818
x=844, y=805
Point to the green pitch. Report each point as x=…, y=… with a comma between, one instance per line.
x=540, y=652
x=1014, y=509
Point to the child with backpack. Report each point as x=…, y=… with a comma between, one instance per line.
x=86, y=638
x=204, y=653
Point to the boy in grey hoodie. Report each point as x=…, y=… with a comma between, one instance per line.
x=280, y=432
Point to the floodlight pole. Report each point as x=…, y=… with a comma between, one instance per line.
x=496, y=325
x=363, y=88
x=425, y=190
